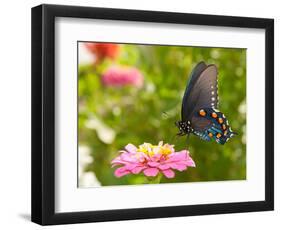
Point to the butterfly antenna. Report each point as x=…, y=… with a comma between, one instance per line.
x=165, y=115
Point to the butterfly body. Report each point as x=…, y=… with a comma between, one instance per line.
x=200, y=115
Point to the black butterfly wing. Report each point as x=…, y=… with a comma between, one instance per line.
x=201, y=91
x=187, y=103
x=206, y=89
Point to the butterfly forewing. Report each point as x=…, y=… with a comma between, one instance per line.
x=201, y=91
x=189, y=101
x=205, y=90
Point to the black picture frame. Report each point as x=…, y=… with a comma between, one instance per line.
x=43, y=114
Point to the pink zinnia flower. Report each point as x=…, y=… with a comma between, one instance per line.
x=121, y=76
x=103, y=50
x=151, y=160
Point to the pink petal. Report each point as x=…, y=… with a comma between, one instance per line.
x=164, y=166
x=137, y=170
x=117, y=161
x=130, y=166
x=151, y=171
x=121, y=172
x=142, y=156
x=156, y=157
x=174, y=165
x=131, y=148
x=178, y=156
x=128, y=157
x=190, y=162
x=180, y=167
x=168, y=173
x=152, y=164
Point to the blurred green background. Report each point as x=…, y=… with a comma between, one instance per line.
x=110, y=117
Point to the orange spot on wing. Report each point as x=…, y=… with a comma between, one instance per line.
x=214, y=115
x=224, y=127
x=202, y=112
x=220, y=120
x=218, y=135
x=210, y=134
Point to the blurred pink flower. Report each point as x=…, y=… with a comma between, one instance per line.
x=103, y=50
x=151, y=160
x=121, y=76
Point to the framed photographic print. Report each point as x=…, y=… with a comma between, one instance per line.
x=141, y=114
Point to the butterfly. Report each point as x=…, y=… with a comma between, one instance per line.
x=199, y=112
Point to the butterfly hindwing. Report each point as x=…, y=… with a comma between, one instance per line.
x=209, y=123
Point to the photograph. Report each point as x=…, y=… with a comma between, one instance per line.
x=140, y=114
x=153, y=114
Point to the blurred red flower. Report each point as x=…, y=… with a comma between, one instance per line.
x=121, y=76
x=103, y=50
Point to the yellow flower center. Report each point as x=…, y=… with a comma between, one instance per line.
x=165, y=150
x=151, y=150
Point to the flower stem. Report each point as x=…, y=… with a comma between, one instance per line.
x=154, y=180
